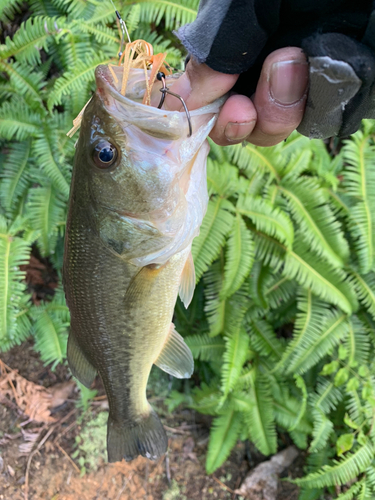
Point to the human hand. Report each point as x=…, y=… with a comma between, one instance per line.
x=274, y=111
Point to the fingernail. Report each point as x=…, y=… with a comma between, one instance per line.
x=238, y=131
x=288, y=81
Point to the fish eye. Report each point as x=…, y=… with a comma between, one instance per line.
x=105, y=154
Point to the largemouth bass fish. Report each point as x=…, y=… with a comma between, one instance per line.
x=138, y=197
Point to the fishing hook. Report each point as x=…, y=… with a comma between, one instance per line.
x=165, y=90
x=124, y=29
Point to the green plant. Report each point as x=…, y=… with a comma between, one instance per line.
x=282, y=321
x=286, y=256
x=91, y=448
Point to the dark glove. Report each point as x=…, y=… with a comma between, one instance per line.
x=338, y=37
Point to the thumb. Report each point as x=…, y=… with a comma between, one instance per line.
x=199, y=86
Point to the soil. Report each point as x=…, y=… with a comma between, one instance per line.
x=54, y=475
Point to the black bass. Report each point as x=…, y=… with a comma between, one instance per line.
x=138, y=197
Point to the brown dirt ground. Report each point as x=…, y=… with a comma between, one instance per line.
x=54, y=475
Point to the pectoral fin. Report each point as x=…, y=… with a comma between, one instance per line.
x=80, y=367
x=176, y=358
x=187, y=284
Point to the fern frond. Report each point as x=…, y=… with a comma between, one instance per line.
x=239, y=257
x=175, y=12
x=215, y=227
x=351, y=493
x=256, y=159
x=268, y=219
x=260, y=420
x=50, y=331
x=317, y=340
x=309, y=318
x=341, y=471
x=18, y=121
x=327, y=396
x=278, y=290
x=15, y=177
x=32, y=36
x=7, y=9
x=287, y=410
x=45, y=149
x=26, y=82
x=323, y=428
x=222, y=178
x=298, y=163
x=102, y=34
x=318, y=225
x=311, y=273
x=264, y=340
x=207, y=398
x=14, y=252
x=359, y=177
x=235, y=355
x=357, y=343
x=224, y=433
x=239, y=401
x=204, y=347
x=73, y=80
x=47, y=213
x=365, y=288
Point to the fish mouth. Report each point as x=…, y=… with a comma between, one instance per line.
x=109, y=80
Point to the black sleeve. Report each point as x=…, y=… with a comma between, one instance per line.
x=338, y=37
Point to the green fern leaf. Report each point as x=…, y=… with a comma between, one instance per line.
x=235, y=355
x=207, y=398
x=365, y=288
x=351, y=493
x=254, y=159
x=222, y=178
x=309, y=317
x=359, y=177
x=260, y=420
x=15, y=177
x=287, y=410
x=323, y=428
x=50, y=330
x=298, y=163
x=317, y=340
x=239, y=257
x=14, y=252
x=224, y=433
x=317, y=223
x=264, y=340
x=45, y=149
x=327, y=283
x=204, y=347
x=18, y=121
x=26, y=82
x=73, y=80
x=268, y=219
x=47, y=214
x=30, y=38
x=175, y=12
x=341, y=471
x=133, y=18
x=357, y=343
x=215, y=227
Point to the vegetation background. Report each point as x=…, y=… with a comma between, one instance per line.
x=282, y=321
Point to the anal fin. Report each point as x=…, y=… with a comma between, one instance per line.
x=176, y=358
x=187, y=284
x=80, y=367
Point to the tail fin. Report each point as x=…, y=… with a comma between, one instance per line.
x=145, y=437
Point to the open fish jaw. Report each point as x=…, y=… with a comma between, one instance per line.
x=159, y=137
